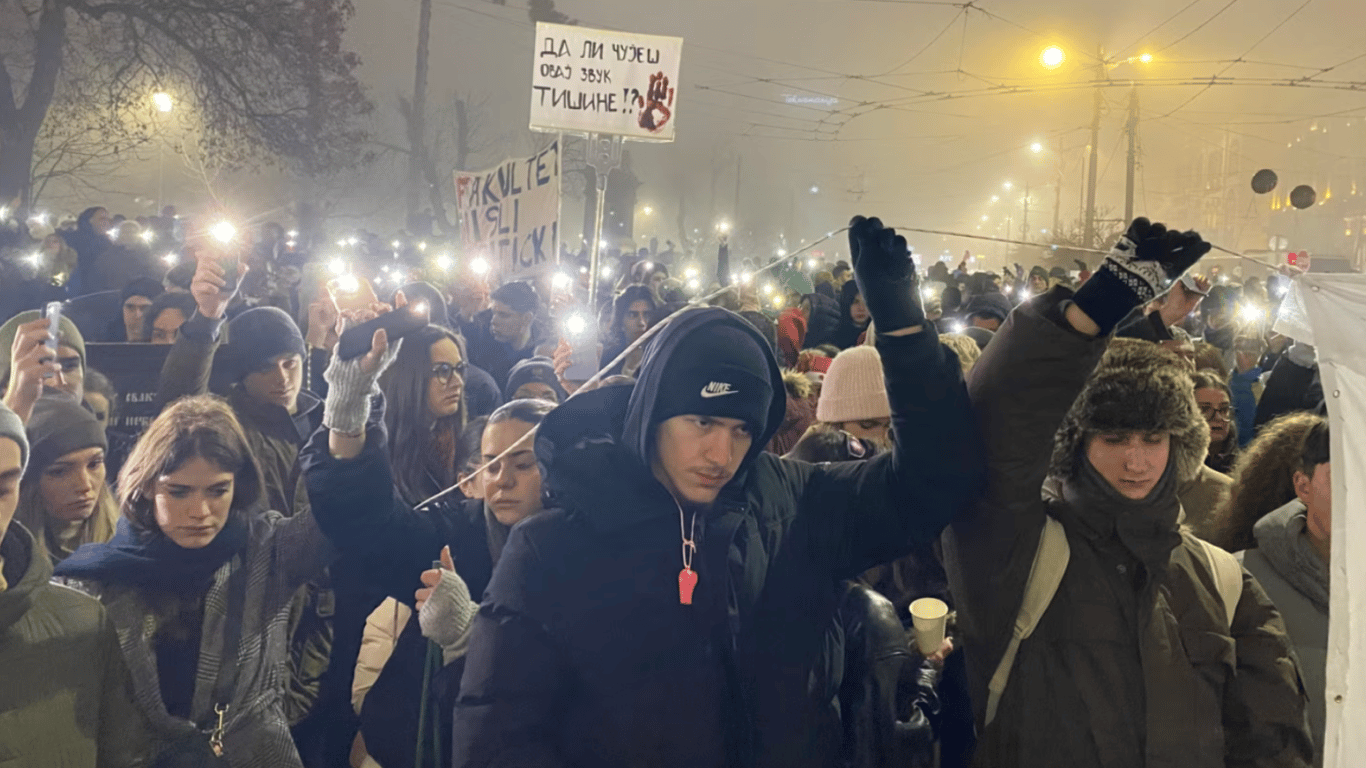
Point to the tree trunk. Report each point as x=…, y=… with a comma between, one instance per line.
x=20, y=123
x=417, y=123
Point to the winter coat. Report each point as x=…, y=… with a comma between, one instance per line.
x=582, y=655
x=1245, y=387
x=275, y=437
x=390, y=561
x=281, y=554
x=1296, y=580
x=824, y=319
x=1291, y=387
x=791, y=333
x=1201, y=496
x=65, y=692
x=1134, y=662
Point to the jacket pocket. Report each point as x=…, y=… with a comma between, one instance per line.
x=1213, y=657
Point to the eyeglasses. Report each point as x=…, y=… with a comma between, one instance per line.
x=444, y=372
x=1209, y=412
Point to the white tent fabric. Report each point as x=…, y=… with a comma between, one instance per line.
x=1329, y=311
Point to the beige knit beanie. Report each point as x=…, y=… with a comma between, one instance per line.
x=853, y=388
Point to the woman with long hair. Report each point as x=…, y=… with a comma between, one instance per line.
x=633, y=312
x=424, y=394
x=199, y=578
x=1263, y=481
x=63, y=498
x=474, y=530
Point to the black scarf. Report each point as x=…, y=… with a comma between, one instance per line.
x=1149, y=528
x=151, y=560
x=497, y=533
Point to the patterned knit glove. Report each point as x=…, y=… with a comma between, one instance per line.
x=446, y=616
x=349, y=389
x=1140, y=266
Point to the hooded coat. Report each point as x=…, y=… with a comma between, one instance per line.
x=582, y=655
x=1296, y=580
x=66, y=696
x=1134, y=663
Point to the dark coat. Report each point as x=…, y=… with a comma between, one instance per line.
x=391, y=564
x=1134, y=663
x=582, y=655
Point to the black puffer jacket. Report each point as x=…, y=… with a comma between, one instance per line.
x=824, y=319
x=581, y=654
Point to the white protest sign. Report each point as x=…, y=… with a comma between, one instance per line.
x=610, y=83
x=512, y=213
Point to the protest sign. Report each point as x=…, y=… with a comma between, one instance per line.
x=512, y=213
x=134, y=370
x=604, y=82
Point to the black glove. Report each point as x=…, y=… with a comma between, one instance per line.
x=1140, y=266
x=885, y=274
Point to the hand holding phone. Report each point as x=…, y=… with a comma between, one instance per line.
x=356, y=340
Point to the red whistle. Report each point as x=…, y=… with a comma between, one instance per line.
x=687, y=582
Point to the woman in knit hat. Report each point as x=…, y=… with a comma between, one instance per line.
x=854, y=397
x=27, y=369
x=64, y=500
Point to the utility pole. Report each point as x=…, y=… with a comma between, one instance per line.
x=1131, y=128
x=1089, y=229
x=417, y=131
x=1024, y=226
x=1057, y=194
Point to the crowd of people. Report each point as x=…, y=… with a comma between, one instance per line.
x=684, y=526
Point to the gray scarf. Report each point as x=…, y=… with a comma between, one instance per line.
x=1281, y=538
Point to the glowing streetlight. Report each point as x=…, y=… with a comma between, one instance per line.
x=1146, y=58
x=170, y=259
x=444, y=263
x=647, y=210
x=1008, y=186
x=995, y=198
x=163, y=101
x=1052, y=57
x=723, y=227
x=1036, y=148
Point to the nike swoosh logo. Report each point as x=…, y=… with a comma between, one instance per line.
x=708, y=395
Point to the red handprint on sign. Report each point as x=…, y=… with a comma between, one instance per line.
x=655, y=105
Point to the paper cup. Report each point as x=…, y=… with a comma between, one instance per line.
x=929, y=614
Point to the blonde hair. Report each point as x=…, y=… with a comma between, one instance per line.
x=96, y=529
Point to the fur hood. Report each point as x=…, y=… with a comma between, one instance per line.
x=1138, y=387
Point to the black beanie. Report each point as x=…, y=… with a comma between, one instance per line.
x=532, y=370
x=519, y=296
x=142, y=286
x=716, y=371
x=257, y=336
x=60, y=425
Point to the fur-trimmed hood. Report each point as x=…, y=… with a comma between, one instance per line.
x=1138, y=387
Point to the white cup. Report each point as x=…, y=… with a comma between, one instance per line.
x=929, y=615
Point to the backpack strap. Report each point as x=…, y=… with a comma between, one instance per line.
x=1050, y=563
x=1228, y=576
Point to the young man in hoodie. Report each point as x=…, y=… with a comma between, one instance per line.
x=66, y=697
x=1291, y=562
x=670, y=606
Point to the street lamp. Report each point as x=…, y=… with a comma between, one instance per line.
x=1052, y=57
x=1036, y=148
x=163, y=101
x=647, y=210
x=1008, y=186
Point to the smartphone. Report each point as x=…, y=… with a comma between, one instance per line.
x=581, y=332
x=229, y=265
x=53, y=313
x=1188, y=280
x=355, y=341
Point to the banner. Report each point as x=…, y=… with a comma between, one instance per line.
x=512, y=213
x=598, y=81
x=134, y=370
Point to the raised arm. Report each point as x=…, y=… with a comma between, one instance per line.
x=188, y=364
